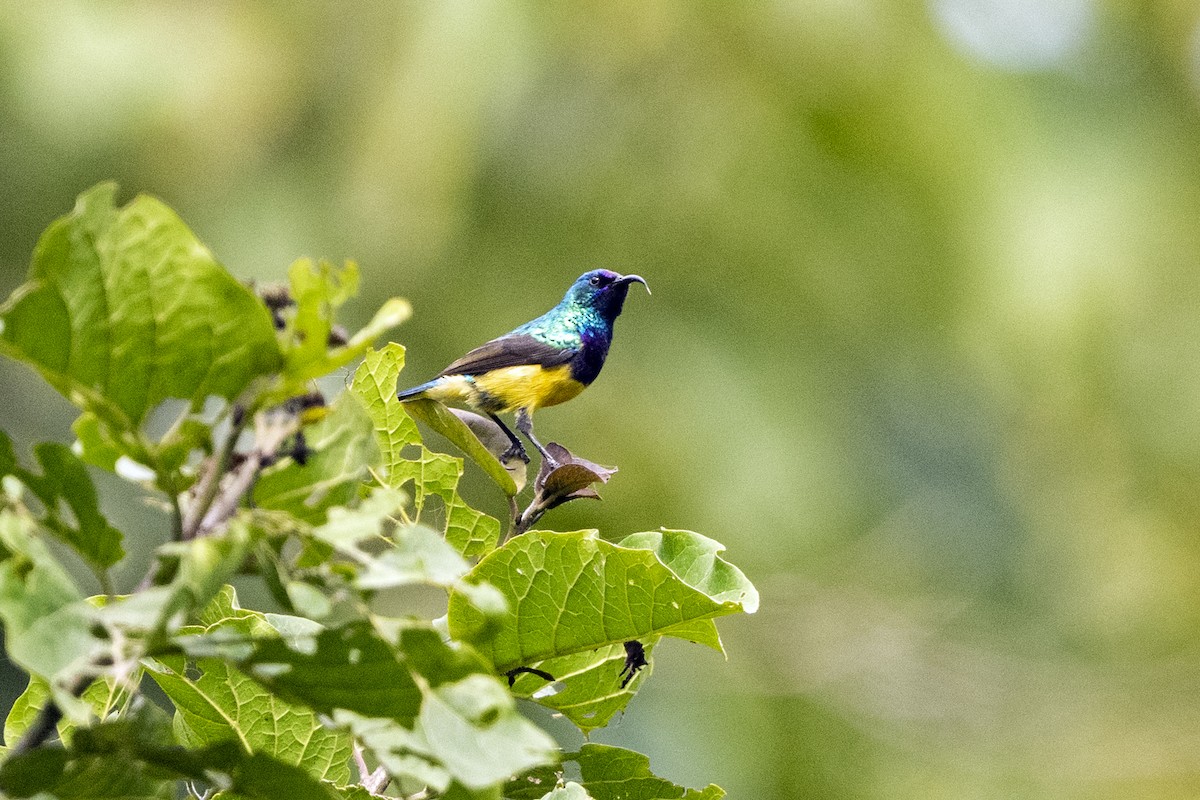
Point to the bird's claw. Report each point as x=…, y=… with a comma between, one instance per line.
x=516, y=451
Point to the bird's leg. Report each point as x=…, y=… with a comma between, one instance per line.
x=517, y=450
x=525, y=426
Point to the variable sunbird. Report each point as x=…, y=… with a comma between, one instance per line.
x=544, y=362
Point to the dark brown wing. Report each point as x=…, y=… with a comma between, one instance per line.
x=509, y=351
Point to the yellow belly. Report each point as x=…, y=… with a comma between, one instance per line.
x=529, y=386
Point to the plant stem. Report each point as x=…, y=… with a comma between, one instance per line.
x=210, y=481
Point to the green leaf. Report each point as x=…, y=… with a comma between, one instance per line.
x=573, y=592
x=696, y=560
x=403, y=753
x=472, y=727
x=432, y=475
x=343, y=446
x=345, y=528
x=261, y=776
x=374, y=384
x=588, y=685
x=700, y=631
x=349, y=668
x=614, y=773
x=25, y=709
x=468, y=729
x=440, y=418
x=224, y=705
x=66, y=479
x=125, y=308
x=47, y=623
x=472, y=533
x=318, y=291
x=420, y=556
x=221, y=703
x=413, y=554
x=100, y=699
x=354, y=674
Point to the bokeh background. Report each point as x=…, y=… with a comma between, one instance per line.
x=922, y=348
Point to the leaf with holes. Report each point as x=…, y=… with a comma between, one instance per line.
x=374, y=385
x=472, y=533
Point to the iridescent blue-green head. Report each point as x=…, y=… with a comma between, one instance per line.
x=603, y=291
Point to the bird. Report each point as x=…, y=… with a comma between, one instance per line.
x=546, y=361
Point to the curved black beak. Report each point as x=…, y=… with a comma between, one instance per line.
x=634, y=279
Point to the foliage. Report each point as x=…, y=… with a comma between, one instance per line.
x=333, y=508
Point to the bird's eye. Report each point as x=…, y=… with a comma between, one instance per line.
x=594, y=280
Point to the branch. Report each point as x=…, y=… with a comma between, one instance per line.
x=374, y=782
x=210, y=481
x=271, y=429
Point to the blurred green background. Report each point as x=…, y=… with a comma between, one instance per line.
x=922, y=349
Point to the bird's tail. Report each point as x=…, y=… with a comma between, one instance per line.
x=416, y=392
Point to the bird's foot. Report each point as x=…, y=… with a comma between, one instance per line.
x=516, y=451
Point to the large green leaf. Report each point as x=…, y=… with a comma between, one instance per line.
x=572, y=592
x=125, y=308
